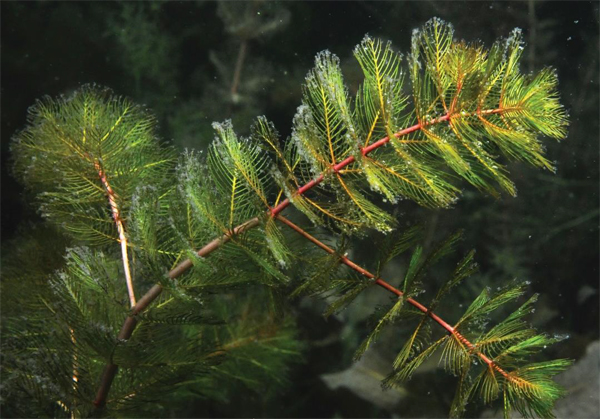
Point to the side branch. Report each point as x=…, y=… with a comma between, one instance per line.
x=116, y=214
x=365, y=150
x=399, y=293
x=130, y=323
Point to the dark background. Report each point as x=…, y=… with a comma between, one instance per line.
x=178, y=58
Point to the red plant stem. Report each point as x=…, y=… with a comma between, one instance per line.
x=130, y=323
x=396, y=291
x=339, y=166
x=116, y=214
x=110, y=370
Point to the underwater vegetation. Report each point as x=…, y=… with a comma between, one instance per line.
x=183, y=277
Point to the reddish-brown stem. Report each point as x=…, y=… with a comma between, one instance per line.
x=238, y=69
x=116, y=214
x=128, y=327
x=154, y=292
x=390, y=288
x=348, y=160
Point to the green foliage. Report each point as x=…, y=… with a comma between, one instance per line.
x=146, y=50
x=490, y=107
x=71, y=143
x=224, y=318
x=101, y=175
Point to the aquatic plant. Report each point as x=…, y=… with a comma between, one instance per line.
x=216, y=221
